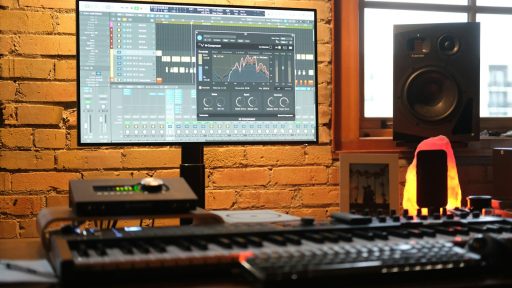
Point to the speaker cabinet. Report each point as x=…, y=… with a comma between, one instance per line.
x=436, y=77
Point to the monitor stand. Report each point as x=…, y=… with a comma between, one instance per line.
x=192, y=169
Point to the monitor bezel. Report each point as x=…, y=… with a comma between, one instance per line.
x=205, y=143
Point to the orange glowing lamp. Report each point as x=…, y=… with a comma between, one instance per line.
x=454, y=193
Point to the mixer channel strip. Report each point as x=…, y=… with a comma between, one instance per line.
x=276, y=252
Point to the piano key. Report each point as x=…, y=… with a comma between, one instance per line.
x=254, y=241
x=198, y=243
x=223, y=242
x=293, y=239
x=276, y=239
x=344, y=236
x=313, y=238
x=366, y=235
x=404, y=234
x=240, y=242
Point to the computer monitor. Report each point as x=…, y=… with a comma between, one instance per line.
x=184, y=74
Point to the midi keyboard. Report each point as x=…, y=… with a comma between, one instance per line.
x=286, y=252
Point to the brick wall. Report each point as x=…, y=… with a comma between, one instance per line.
x=39, y=155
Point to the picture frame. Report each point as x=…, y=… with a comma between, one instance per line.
x=369, y=181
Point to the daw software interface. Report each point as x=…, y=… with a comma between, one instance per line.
x=159, y=73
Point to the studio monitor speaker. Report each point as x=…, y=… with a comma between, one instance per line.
x=436, y=81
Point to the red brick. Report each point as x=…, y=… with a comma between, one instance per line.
x=39, y=114
x=9, y=114
x=265, y=199
x=47, y=45
x=42, y=181
x=324, y=52
x=66, y=23
x=241, y=177
x=70, y=119
x=6, y=44
x=50, y=138
x=60, y=4
x=140, y=158
x=317, y=213
x=114, y=174
x=73, y=138
x=324, y=93
x=65, y=69
x=27, y=160
x=319, y=155
x=220, y=199
x=167, y=173
x=89, y=159
x=21, y=205
x=277, y=155
x=9, y=3
x=324, y=73
x=16, y=137
x=312, y=196
x=324, y=135
x=28, y=228
x=25, y=21
x=57, y=200
x=324, y=114
x=224, y=157
x=26, y=68
x=324, y=33
x=5, y=181
x=48, y=91
x=8, y=229
x=7, y=90
x=299, y=175
x=334, y=175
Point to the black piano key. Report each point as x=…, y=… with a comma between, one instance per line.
x=404, y=234
x=380, y=234
x=292, y=239
x=158, y=246
x=198, y=243
x=493, y=228
x=313, y=238
x=223, y=242
x=461, y=230
x=366, y=235
x=240, y=242
x=126, y=248
x=82, y=251
x=450, y=231
x=477, y=228
x=427, y=232
x=183, y=245
x=100, y=249
x=141, y=247
x=505, y=228
x=254, y=241
x=330, y=237
x=416, y=233
x=344, y=236
x=276, y=239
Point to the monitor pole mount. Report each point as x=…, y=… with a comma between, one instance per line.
x=192, y=169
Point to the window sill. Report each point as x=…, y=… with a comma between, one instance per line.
x=477, y=149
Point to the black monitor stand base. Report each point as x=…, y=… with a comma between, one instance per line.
x=193, y=171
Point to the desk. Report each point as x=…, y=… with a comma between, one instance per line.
x=31, y=248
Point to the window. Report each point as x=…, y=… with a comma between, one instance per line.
x=352, y=129
x=376, y=28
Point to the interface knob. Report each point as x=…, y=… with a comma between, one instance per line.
x=251, y=101
x=284, y=102
x=207, y=101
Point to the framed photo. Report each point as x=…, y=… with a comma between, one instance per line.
x=368, y=181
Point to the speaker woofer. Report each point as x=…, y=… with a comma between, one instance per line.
x=431, y=94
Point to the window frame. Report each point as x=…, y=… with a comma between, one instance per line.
x=356, y=132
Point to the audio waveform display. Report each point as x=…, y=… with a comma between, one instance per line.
x=241, y=69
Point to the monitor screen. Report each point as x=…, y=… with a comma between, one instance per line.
x=157, y=73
